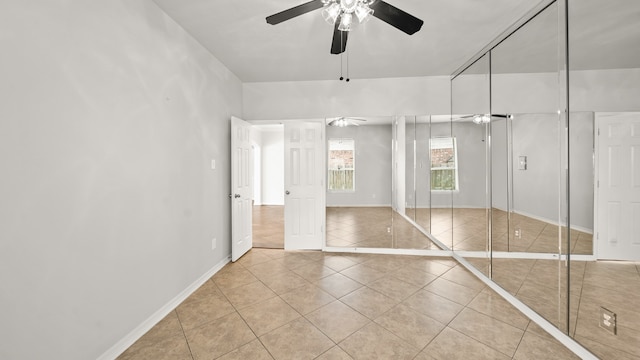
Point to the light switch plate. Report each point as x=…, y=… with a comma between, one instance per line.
x=522, y=163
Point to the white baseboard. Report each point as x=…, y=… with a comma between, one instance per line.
x=146, y=325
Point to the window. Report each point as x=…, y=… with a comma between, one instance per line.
x=444, y=164
x=341, y=164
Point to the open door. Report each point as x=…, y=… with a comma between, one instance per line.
x=618, y=186
x=241, y=180
x=304, y=210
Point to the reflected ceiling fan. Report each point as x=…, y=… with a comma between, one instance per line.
x=343, y=121
x=481, y=118
x=344, y=13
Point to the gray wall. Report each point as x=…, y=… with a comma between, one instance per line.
x=581, y=152
x=536, y=190
x=471, y=162
x=110, y=115
x=373, y=166
x=423, y=163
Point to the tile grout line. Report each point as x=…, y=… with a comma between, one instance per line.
x=184, y=334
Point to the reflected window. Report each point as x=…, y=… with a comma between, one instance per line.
x=341, y=171
x=444, y=164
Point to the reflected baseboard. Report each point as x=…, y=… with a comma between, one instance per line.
x=388, y=251
x=523, y=255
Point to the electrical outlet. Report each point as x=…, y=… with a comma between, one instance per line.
x=214, y=243
x=608, y=320
x=518, y=234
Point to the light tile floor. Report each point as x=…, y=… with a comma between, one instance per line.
x=541, y=284
x=273, y=304
x=268, y=226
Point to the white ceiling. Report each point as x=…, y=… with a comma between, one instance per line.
x=604, y=34
x=237, y=34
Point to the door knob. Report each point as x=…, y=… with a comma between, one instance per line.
x=287, y=192
x=237, y=196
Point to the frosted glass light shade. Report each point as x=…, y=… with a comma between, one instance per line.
x=345, y=22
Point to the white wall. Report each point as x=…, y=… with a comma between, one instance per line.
x=614, y=90
x=110, y=115
x=256, y=158
x=590, y=90
x=331, y=98
x=273, y=166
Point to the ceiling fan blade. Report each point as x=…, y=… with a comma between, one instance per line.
x=395, y=17
x=339, y=43
x=355, y=119
x=294, y=11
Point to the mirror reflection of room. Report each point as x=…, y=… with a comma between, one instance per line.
x=364, y=209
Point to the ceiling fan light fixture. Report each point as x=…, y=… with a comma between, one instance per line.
x=349, y=6
x=344, y=10
x=337, y=123
x=481, y=119
x=345, y=22
x=363, y=12
x=330, y=13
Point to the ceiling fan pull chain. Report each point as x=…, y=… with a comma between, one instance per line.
x=341, y=67
x=347, y=65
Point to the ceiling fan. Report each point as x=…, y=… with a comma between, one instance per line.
x=341, y=14
x=343, y=121
x=481, y=118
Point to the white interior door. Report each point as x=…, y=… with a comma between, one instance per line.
x=304, y=208
x=618, y=186
x=241, y=190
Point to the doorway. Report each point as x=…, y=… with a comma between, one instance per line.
x=288, y=192
x=268, y=199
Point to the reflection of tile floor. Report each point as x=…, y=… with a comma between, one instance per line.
x=273, y=304
x=614, y=285
x=373, y=227
x=460, y=229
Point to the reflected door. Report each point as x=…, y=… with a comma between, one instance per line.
x=241, y=175
x=618, y=186
x=304, y=185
